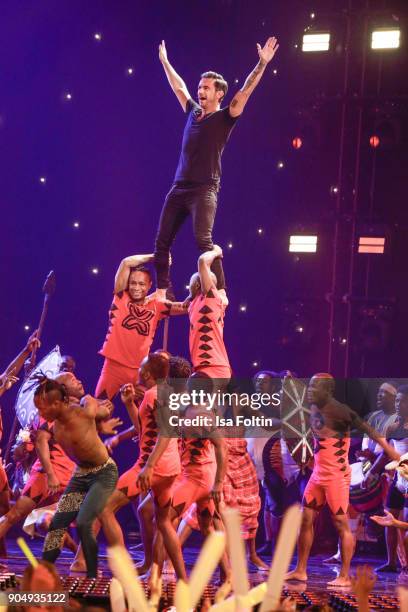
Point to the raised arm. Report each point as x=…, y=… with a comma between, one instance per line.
x=266, y=54
x=9, y=376
x=122, y=274
x=176, y=82
x=204, y=267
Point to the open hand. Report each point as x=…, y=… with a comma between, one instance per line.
x=269, y=49
x=388, y=520
x=6, y=382
x=127, y=394
x=162, y=52
x=109, y=427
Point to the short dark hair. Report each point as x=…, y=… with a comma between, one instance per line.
x=141, y=269
x=179, y=368
x=158, y=366
x=220, y=83
x=403, y=389
x=200, y=381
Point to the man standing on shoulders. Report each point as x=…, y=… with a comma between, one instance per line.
x=197, y=180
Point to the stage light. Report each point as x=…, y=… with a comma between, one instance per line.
x=236, y=81
x=334, y=189
x=260, y=231
x=297, y=142
x=130, y=71
x=95, y=271
x=26, y=328
x=43, y=179
x=385, y=38
x=299, y=329
x=187, y=286
x=302, y=244
x=230, y=245
x=342, y=341
x=68, y=96
x=255, y=364
x=374, y=141
x=98, y=36
x=319, y=41
x=281, y=165
x=243, y=308
x=312, y=15
x=275, y=71
x=371, y=244
x=76, y=224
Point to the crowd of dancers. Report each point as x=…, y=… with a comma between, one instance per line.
x=183, y=481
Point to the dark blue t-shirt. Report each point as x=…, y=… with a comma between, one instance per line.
x=203, y=143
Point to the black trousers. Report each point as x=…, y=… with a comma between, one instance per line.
x=199, y=201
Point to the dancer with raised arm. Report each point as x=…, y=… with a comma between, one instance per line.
x=197, y=180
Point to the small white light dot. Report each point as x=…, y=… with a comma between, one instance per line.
x=130, y=71
x=26, y=327
x=243, y=308
x=343, y=340
x=230, y=245
x=281, y=164
x=236, y=80
x=98, y=36
x=68, y=96
x=312, y=15
x=299, y=329
x=95, y=270
x=275, y=71
x=334, y=189
x=187, y=286
x=296, y=46
x=76, y=224
x=255, y=364
x=42, y=179
x=260, y=231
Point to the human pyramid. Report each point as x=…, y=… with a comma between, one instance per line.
x=193, y=471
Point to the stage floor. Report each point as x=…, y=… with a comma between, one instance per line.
x=319, y=572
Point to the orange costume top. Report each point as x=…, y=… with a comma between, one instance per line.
x=207, y=346
x=169, y=462
x=132, y=327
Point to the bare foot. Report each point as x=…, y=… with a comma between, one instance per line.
x=340, y=581
x=258, y=562
x=296, y=575
x=77, y=566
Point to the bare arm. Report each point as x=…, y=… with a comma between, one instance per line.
x=122, y=274
x=374, y=435
x=204, y=267
x=221, y=453
x=176, y=82
x=9, y=376
x=266, y=54
x=42, y=439
x=145, y=475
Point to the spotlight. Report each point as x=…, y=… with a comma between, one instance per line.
x=43, y=179
x=230, y=245
x=68, y=96
x=26, y=328
x=319, y=41
x=334, y=189
x=374, y=141
x=129, y=71
x=255, y=364
x=281, y=165
x=260, y=231
x=371, y=244
x=297, y=142
x=76, y=224
x=302, y=244
x=243, y=308
x=299, y=329
x=275, y=71
x=95, y=270
x=385, y=38
x=98, y=36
